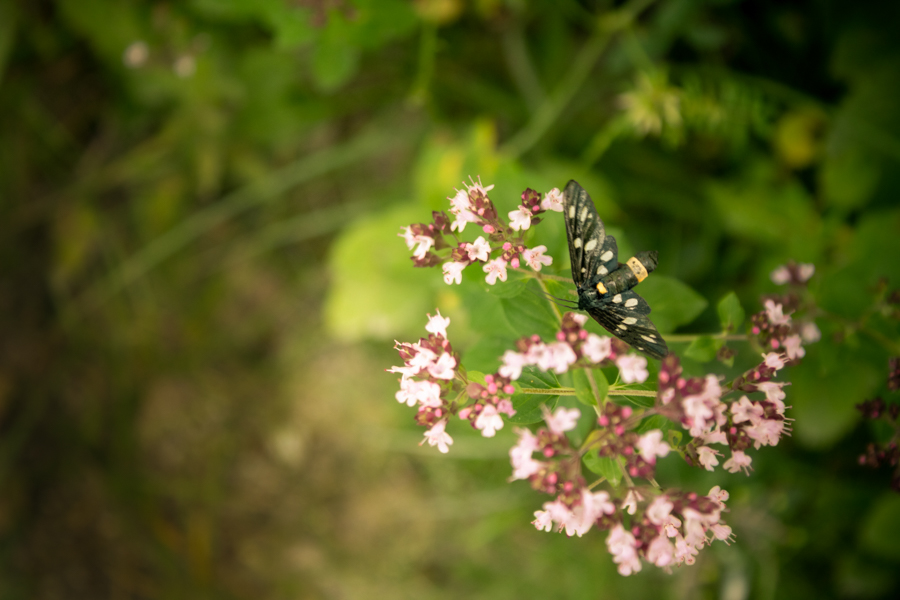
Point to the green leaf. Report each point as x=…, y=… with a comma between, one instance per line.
x=530, y=314
x=513, y=286
x=604, y=466
x=704, y=348
x=528, y=406
x=731, y=313
x=583, y=389
x=334, y=60
x=655, y=422
x=673, y=303
x=881, y=530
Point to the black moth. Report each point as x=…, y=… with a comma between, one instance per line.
x=604, y=284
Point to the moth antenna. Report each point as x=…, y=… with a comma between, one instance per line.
x=564, y=302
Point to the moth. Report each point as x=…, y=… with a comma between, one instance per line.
x=604, y=284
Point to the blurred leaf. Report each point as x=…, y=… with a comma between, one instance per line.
x=335, y=59
x=880, y=532
x=655, y=422
x=583, y=390
x=672, y=302
x=530, y=314
x=513, y=286
x=528, y=406
x=604, y=466
x=849, y=178
x=704, y=348
x=731, y=313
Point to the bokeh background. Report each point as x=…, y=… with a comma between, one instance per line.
x=201, y=281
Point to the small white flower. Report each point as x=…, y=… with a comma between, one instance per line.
x=535, y=258
x=453, y=272
x=495, y=269
x=707, y=457
x=512, y=364
x=810, y=333
x=775, y=314
x=480, y=249
x=650, y=445
x=444, y=367
x=489, y=421
x=780, y=276
x=553, y=201
x=805, y=271
x=632, y=368
x=793, y=348
x=596, y=348
x=436, y=436
x=437, y=325
x=562, y=419
x=520, y=219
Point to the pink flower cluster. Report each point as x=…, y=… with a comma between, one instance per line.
x=774, y=326
x=574, y=345
x=663, y=528
x=472, y=205
x=697, y=403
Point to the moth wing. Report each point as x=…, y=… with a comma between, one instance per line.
x=628, y=320
x=586, y=234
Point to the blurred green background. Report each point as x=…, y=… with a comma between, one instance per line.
x=201, y=281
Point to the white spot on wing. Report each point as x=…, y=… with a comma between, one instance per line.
x=577, y=243
x=606, y=256
x=590, y=245
x=630, y=321
x=584, y=214
x=622, y=327
x=649, y=338
x=572, y=212
x=617, y=298
x=601, y=270
x=583, y=270
x=631, y=302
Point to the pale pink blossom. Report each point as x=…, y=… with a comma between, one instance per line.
x=632, y=368
x=766, y=433
x=805, y=271
x=629, y=504
x=480, y=249
x=579, y=318
x=775, y=314
x=596, y=348
x=774, y=394
x=542, y=520
x=427, y=393
x=558, y=356
x=583, y=516
x=553, y=200
x=437, y=325
x=444, y=367
x=495, y=269
x=738, y=461
x=716, y=436
x=780, y=276
x=562, y=419
x=520, y=455
x=424, y=242
x=406, y=371
x=659, y=510
x=650, y=445
x=520, y=219
x=661, y=552
x=535, y=257
x=684, y=552
x=704, y=411
x=810, y=333
x=453, y=272
x=512, y=364
x=721, y=532
x=622, y=545
x=422, y=359
x=436, y=436
x=707, y=457
x=461, y=207
x=746, y=410
x=774, y=360
x=793, y=348
x=719, y=495
x=489, y=421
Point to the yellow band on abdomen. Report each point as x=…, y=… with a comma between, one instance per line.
x=637, y=268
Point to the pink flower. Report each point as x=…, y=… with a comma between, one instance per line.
x=715, y=436
x=629, y=504
x=774, y=312
x=766, y=433
x=659, y=510
x=774, y=361
x=707, y=457
x=512, y=364
x=495, y=269
x=805, y=271
x=774, y=394
x=422, y=359
x=437, y=325
x=453, y=272
x=738, y=461
x=579, y=318
x=461, y=207
x=524, y=466
x=632, y=368
x=534, y=257
x=596, y=348
x=622, y=545
x=427, y=393
x=810, y=333
x=558, y=356
x=520, y=219
x=480, y=249
x=793, y=348
x=489, y=421
x=746, y=410
x=424, y=242
x=650, y=445
x=553, y=201
x=583, y=516
x=444, y=367
x=661, y=552
x=542, y=520
x=562, y=420
x=780, y=276
x=436, y=436
x=684, y=552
